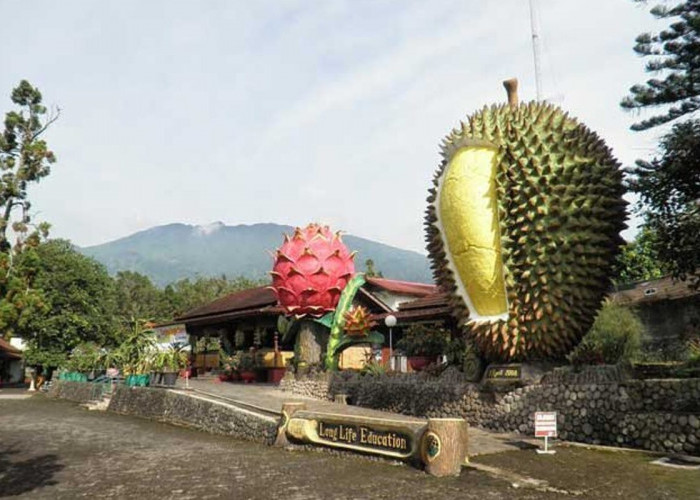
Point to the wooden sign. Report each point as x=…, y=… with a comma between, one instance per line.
x=364, y=436
x=440, y=443
x=388, y=437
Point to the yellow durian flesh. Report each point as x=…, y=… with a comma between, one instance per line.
x=467, y=211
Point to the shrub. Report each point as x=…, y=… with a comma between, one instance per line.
x=693, y=347
x=424, y=340
x=85, y=357
x=374, y=368
x=615, y=337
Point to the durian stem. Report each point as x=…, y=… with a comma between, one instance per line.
x=511, y=86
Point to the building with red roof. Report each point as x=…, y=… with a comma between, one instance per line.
x=249, y=317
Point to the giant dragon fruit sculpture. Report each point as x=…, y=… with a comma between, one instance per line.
x=310, y=271
x=314, y=279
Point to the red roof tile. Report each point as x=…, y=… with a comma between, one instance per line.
x=403, y=287
x=253, y=298
x=426, y=314
x=9, y=349
x=209, y=319
x=262, y=300
x=438, y=299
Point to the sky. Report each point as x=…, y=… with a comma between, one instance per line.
x=294, y=111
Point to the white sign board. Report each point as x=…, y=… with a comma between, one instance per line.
x=171, y=334
x=546, y=424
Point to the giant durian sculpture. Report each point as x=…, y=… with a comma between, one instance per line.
x=523, y=226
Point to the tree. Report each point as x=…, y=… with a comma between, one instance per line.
x=139, y=298
x=669, y=189
x=639, y=260
x=669, y=185
x=370, y=271
x=24, y=159
x=673, y=52
x=80, y=305
x=184, y=295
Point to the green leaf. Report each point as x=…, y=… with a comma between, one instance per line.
x=348, y=341
x=326, y=320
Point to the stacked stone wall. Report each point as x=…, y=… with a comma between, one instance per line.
x=659, y=415
x=317, y=386
x=186, y=410
x=79, y=392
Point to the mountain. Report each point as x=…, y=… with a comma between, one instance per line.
x=175, y=251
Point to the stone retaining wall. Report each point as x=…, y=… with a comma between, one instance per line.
x=313, y=387
x=79, y=392
x=175, y=408
x=193, y=411
x=659, y=415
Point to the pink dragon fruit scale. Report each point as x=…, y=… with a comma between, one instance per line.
x=310, y=271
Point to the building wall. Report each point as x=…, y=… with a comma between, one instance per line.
x=670, y=323
x=16, y=371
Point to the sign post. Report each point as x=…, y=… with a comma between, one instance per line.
x=546, y=427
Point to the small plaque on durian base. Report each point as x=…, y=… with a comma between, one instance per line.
x=497, y=373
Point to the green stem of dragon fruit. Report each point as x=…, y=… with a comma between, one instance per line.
x=338, y=325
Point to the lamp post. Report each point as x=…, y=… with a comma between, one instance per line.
x=390, y=321
x=32, y=387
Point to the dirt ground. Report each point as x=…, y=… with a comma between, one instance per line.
x=56, y=449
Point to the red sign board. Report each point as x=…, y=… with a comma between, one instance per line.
x=546, y=424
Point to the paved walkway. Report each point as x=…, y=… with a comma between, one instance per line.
x=52, y=449
x=270, y=398
x=14, y=393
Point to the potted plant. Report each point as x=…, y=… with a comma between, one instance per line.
x=246, y=367
x=229, y=369
x=423, y=344
x=157, y=363
x=135, y=367
x=134, y=353
x=174, y=360
x=83, y=362
x=71, y=371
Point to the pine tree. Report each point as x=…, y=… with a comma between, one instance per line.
x=675, y=56
x=24, y=159
x=669, y=185
x=669, y=189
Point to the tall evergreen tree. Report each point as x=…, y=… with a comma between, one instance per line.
x=669, y=185
x=675, y=56
x=669, y=190
x=24, y=159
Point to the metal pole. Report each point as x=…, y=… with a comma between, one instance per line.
x=391, y=349
x=535, y=51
